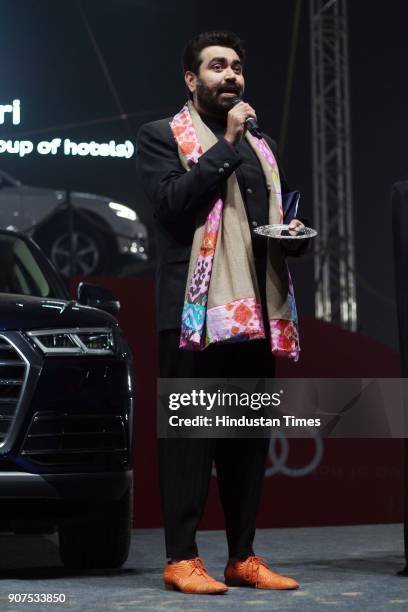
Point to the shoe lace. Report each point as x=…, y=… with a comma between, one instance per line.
x=253, y=564
x=197, y=566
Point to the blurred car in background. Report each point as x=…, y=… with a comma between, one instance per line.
x=66, y=411
x=106, y=235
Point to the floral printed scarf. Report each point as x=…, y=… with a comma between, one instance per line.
x=222, y=302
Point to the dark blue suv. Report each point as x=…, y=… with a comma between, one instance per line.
x=66, y=415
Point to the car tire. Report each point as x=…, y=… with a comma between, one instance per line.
x=93, y=258
x=100, y=542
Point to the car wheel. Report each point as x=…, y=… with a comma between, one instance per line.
x=100, y=542
x=91, y=254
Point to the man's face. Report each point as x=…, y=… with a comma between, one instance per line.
x=219, y=80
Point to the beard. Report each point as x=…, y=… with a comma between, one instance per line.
x=211, y=102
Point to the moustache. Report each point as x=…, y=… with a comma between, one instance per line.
x=229, y=89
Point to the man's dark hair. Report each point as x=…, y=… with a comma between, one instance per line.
x=192, y=50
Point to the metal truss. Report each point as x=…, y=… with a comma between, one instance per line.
x=335, y=285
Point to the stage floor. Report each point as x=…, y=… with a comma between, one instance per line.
x=351, y=568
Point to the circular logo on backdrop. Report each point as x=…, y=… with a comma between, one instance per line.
x=279, y=457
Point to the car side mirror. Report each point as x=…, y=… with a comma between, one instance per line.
x=98, y=297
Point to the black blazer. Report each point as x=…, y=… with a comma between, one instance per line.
x=177, y=196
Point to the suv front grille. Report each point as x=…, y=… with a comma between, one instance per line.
x=13, y=371
x=58, y=439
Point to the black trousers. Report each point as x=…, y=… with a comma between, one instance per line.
x=185, y=464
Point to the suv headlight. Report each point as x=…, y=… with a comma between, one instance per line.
x=123, y=211
x=90, y=341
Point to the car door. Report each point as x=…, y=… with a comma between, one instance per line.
x=11, y=205
x=38, y=203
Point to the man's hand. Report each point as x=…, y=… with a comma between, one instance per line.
x=236, y=122
x=294, y=227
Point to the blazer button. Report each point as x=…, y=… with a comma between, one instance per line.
x=226, y=165
x=249, y=191
x=221, y=170
x=254, y=224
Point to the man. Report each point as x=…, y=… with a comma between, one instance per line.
x=211, y=184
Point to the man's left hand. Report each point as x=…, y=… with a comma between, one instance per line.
x=295, y=226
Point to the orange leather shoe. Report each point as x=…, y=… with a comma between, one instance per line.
x=190, y=576
x=254, y=572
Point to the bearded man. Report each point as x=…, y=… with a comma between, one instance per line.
x=225, y=303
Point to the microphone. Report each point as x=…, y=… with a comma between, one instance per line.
x=251, y=123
